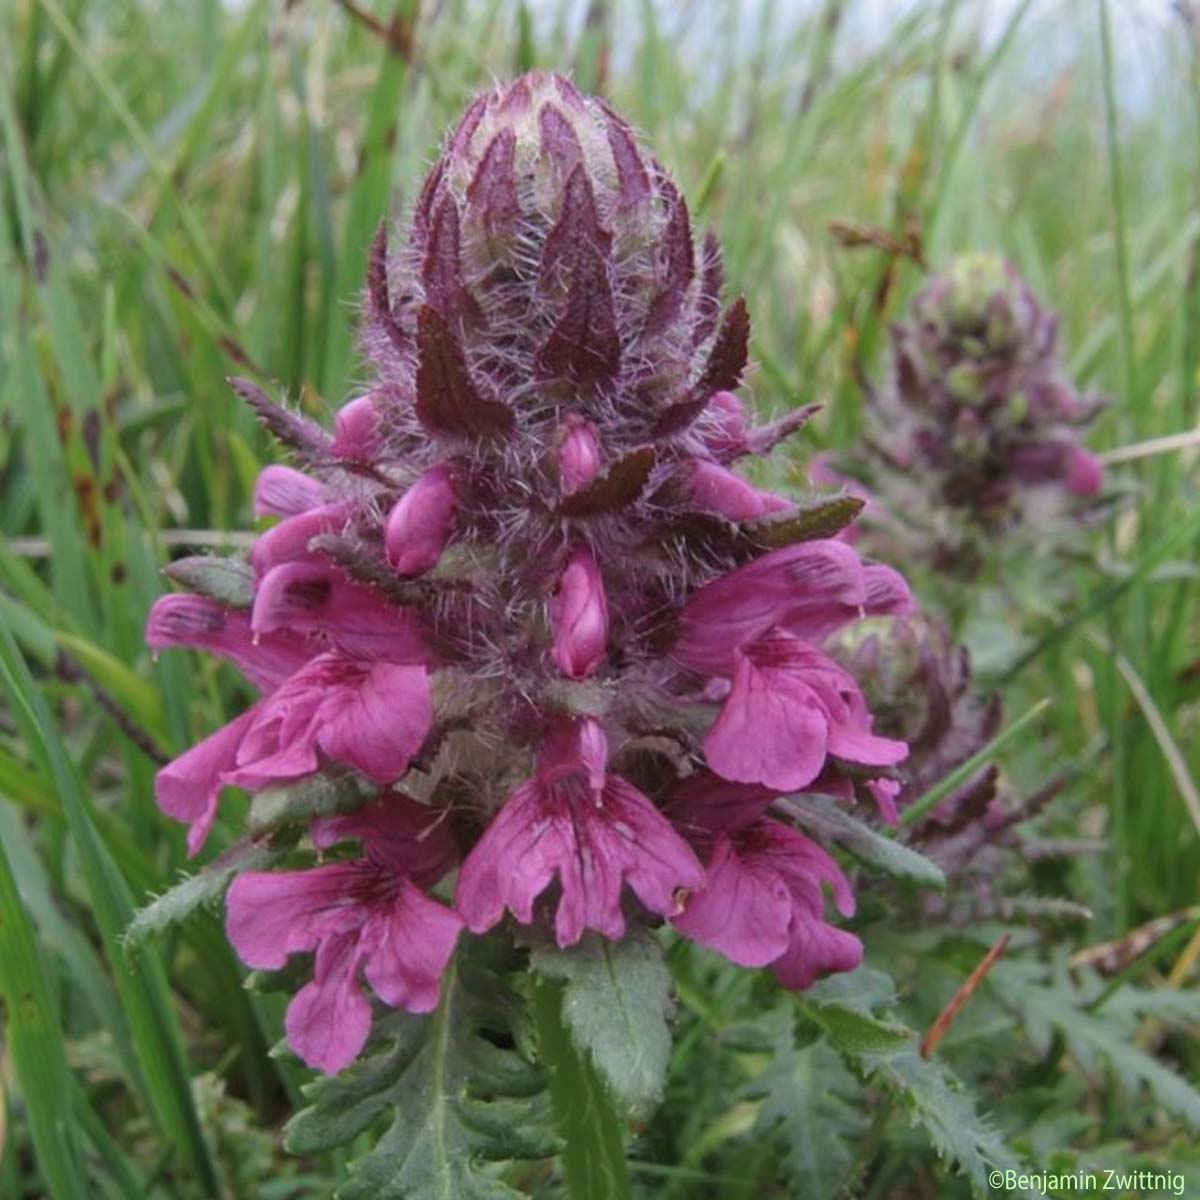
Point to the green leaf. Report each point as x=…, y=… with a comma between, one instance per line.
x=1057, y=1005
x=227, y=579
x=461, y=1105
x=616, y=1005
x=822, y=816
x=34, y=1040
x=136, y=696
x=812, y=1106
x=318, y=796
x=593, y=1157
x=162, y=1067
x=189, y=894
x=842, y=1005
x=939, y=1103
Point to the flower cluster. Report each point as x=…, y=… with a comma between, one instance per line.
x=918, y=683
x=977, y=427
x=523, y=597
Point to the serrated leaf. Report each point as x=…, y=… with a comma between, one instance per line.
x=822, y=816
x=616, y=1005
x=593, y=1153
x=852, y=1030
x=196, y=890
x=936, y=1101
x=1092, y=1037
x=811, y=1107
x=317, y=796
x=227, y=579
x=462, y=1105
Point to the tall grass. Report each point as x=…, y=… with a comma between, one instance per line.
x=188, y=192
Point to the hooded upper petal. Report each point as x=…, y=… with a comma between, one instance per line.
x=283, y=492
x=289, y=540
x=809, y=589
x=315, y=598
x=204, y=624
x=716, y=489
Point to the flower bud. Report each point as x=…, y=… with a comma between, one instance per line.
x=354, y=435
x=421, y=522
x=578, y=456
x=579, y=617
x=718, y=490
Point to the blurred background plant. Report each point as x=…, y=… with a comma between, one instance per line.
x=189, y=192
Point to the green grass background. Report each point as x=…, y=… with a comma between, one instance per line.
x=187, y=192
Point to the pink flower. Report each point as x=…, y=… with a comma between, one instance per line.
x=355, y=432
x=420, y=524
x=1085, y=472
x=319, y=600
x=189, y=787
x=553, y=366
x=579, y=456
x=283, y=492
x=369, y=914
x=763, y=904
x=204, y=624
x=369, y=715
x=592, y=831
x=579, y=617
x=289, y=540
x=810, y=590
x=790, y=706
x=717, y=489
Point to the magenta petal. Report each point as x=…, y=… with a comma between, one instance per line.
x=887, y=593
x=421, y=522
x=557, y=825
x=579, y=617
x=771, y=729
x=705, y=803
x=816, y=949
x=743, y=911
x=312, y=597
x=510, y=866
x=408, y=838
x=409, y=946
x=370, y=716
x=884, y=793
x=717, y=489
x=329, y=1020
x=379, y=725
x=201, y=623
x=579, y=456
x=810, y=589
x=288, y=541
x=284, y=492
x=271, y=914
x=354, y=436
x=188, y=787
x=1085, y=472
